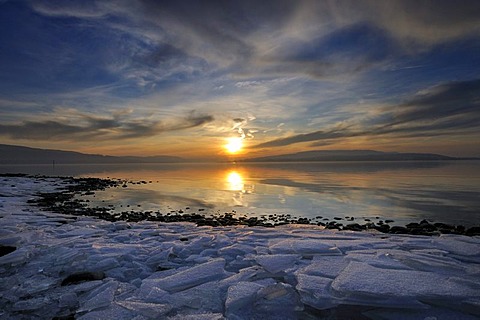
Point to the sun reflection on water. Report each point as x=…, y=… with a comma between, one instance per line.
x=235, y=181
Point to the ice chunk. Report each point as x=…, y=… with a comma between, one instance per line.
x=159, y=256
x=67, y=255
x=235, y=250
x=277, y=262
x=83, y=233
x=148, y=291
x=362, y=282
x=428, y=262
x=305, y=247
x=204, y=297
x=149, y=310
x=17, y=257
x=106, y=264
x=461, y=246
x=277, y=301
x=325, y=266
x=100, y=297
x=68, y=300
x=113, y=311
x=247, y=274
x=315, y=291
x=188, y=278
x=85, y=286
x=240, y=297
x=30, y=304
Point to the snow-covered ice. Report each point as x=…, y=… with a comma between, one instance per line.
x=152, y=270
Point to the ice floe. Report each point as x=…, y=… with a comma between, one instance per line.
x=82, y=267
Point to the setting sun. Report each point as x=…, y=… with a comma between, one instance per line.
x=234, y=145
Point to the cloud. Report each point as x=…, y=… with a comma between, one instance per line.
x=99, y=128
x=320, y=39
x=447, y=109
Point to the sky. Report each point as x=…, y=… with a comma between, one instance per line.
x=124, y=77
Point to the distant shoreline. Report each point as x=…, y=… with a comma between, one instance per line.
x=15, y=155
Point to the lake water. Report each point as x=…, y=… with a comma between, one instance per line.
x=405, y=192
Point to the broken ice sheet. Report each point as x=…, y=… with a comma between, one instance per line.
x=99, y=297
x=365, y=284
x=305, y=247
x=276, y=263
x=204, y=297
x=188, y=278
x=240, y=297
x=277, y=301
x=147, y=309
x=325, y=266
x=315, y=291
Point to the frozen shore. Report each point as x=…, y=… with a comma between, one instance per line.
x=72, y=267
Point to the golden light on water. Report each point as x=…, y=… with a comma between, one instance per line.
x=234, y=145
x=235, y=181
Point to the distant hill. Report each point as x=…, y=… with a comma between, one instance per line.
x=23, y=155
x=350, y=155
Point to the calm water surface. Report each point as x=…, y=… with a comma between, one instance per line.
x=402, y=191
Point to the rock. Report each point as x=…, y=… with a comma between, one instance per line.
x=82, y=277
x=354, y=227
x=398, y=230
x=473, y=231
x=4, y=250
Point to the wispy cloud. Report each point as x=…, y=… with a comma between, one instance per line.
x=319, y=39
x=447, y=109
x=100, y=128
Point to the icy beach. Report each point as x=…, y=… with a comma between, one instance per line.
x=72, y=267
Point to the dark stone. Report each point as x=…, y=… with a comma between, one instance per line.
x=444, y=226
x=183, y=239
x=427, y=226
x=385, y=228
x=68, y=317
x=399, y=230
x=389, y=221
x=82, y=277
x=473, y=231
x=354, y=227
x=4, y=250
x=412, y=225
x=370, y=225
x=160, y=268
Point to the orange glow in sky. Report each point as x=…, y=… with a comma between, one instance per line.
x=234, y=145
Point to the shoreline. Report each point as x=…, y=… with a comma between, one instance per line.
x=63, y=201
x=61, y=266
